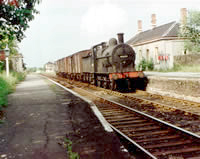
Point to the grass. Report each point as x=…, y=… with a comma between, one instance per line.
x=71, y=154
x=189, y=68
x=7, y=86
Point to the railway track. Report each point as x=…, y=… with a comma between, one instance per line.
x=167, y=111
x=156, y=138
x=168, y=103
x=184, y=105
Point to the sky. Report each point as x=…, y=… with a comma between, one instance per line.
x=64, y=27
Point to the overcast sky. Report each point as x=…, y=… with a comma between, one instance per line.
x=64, y=27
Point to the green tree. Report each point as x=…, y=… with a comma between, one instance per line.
x=14, y=18
x=191, y=31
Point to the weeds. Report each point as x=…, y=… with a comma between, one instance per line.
x=2, y=121
x=146, y=65
x=71, y=154
x=7, y=86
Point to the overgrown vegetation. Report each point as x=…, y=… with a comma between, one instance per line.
x=7, y=85
x=146, y=65
x=71, y=154
x=191, y=32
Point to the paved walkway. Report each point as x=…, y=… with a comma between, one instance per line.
x=40, y=114
x=174, y=74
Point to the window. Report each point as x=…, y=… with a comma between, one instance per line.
x=147, y=55
x=156, y=55
x=140, y=55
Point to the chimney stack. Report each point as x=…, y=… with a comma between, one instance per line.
x=139, y=26
x=153, y=20
x=120, y=38
x=183, y=16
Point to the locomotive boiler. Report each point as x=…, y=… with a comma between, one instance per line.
x=108, y=65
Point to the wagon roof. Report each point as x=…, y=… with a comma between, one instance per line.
x=167, y=30
x=80, y=52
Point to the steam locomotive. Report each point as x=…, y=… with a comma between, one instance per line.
x=108, y=65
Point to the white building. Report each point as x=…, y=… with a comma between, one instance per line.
x=49, y=67
x=17, y=63
x=160, y=43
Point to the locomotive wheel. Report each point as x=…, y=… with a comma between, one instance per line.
x=105, y=84
x=99, y=83
x=113, y=85
x=129, y=84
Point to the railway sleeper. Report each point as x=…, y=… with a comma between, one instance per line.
x=132, y=122
x=128, y=122
x=136, y=130
x=156, y=138
x=122, y=120
x=144, y=134
x=134, y=126
x=182, y=151
x=166, y=144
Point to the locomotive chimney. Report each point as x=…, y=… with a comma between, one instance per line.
x=120, y=38
x=153, y=21
x=103, y=44
x=139, y=26
x=183, y=16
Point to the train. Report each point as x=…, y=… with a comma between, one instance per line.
x=109, y=65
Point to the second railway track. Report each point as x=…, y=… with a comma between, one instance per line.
x=158, y=139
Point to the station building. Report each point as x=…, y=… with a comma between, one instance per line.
x=160, y=43
x=49, y=67
x=17, y=62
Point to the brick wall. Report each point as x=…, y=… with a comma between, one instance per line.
x=2, y=55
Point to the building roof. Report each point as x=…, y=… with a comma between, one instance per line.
x=163, y=31
x=49, y=63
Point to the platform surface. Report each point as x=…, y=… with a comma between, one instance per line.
x=40, y=115
x=174, y=74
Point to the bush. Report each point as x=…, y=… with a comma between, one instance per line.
x=19, y=76
x=150, y=65
x=146, y=65
x=2, y=66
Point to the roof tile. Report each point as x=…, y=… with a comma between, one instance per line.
x=166, y=30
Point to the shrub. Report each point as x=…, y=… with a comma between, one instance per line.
x=20, y=76
x=146, y=65
x=2, y=66
x=142, y=65
x=150, y=65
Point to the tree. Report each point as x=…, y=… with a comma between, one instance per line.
x=191, y=31
x=14, y=18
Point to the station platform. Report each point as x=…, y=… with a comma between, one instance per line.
x=183, y=85
x=40, y=115
x=193, y=75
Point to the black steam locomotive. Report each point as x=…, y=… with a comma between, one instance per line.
x=109, y=65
